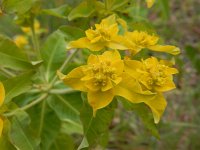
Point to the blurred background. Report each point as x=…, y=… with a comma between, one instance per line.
x=177, y=23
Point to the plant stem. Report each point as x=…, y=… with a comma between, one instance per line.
x=61, y=91
x=35, y=41
x=10, y=74
x=42, y=118
x=42, y=97
x=67, y=61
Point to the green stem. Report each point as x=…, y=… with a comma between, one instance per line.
x=67, y=61
x=42, y=97
x=7, y=72
x=106, y=4
x=62, y=91
x=35, y=41
x=42, y=118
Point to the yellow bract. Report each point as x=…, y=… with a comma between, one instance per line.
x=2, y=97
x=154, y=76
x=137, y=40
x=104, y=35
x=150, y=3
x=20, y=41
x=102, y=78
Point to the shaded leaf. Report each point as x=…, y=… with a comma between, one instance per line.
x=11, y=56
x=144, y=113
x=45, y=123
x=18, y=85
x=53, y=53
x=66, y=107
x=21, y=135
x=19, y=6
x=82, y=10
x=96, y=127
x=164, y=5
x=62, y=142
x=60, y=12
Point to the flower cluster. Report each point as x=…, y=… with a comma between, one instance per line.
x=108, y=75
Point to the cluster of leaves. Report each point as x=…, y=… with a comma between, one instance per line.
x=39, y=112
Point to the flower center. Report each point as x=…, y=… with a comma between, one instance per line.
x=100, y=76
x=157, y=75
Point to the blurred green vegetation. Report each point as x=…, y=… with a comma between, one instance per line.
x=178, y=23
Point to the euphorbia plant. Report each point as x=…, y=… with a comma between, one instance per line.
x=69, y=83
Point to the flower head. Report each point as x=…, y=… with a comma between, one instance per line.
x=2, y=97
x=102, y=78
x=137, y=40
x=150, y=3
x=154, y=76
x=104, y=35
x=20, y=41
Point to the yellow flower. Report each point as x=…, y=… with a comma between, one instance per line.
x=1, y=12
x=105, y=35
x=2, y=97
x=137, y=40
x=150, y=3
x=155, y=76
x=28, y=29
x=102, y=78
x=20, y=41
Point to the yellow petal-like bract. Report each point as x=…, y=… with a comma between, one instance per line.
x=2, y=97
x=20, y=41
x=137, y=40
x=28, y=29
x=154, y=76
x=2, y=93
x=103, y=78
x=104, y=35
x=150, y=3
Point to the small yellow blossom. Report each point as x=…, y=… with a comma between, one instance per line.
x=1, y=12
x=105, y=35
x=20, y=41
x=28, y=29
x=150, y=3
x=2, y=97
x=137, y=40
x=155, y=76
x=102, y=78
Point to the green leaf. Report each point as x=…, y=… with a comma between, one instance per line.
x=71, y=33
x=144, y=113
x=82, y=10
x=66, y=107
x=53, y=53
x=18, y=85
x=5, y=143
x=96, y=127
x=115, y=4
x=21, y=135
x=19, y=6
x=45, y=123
x=60, y=12
x=164, y=5
x=63, y=142
x=11, y=56
x=194, y=56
